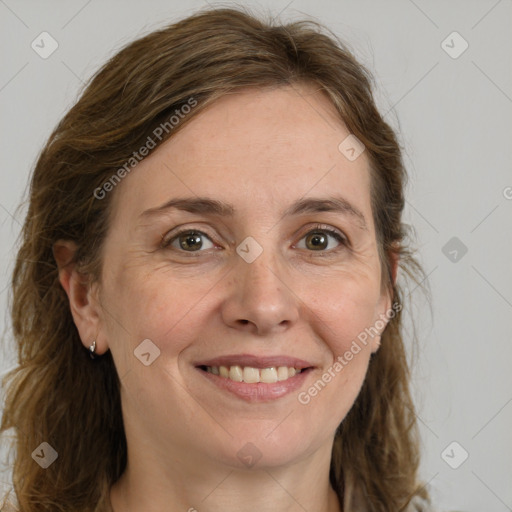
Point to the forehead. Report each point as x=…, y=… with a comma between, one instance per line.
x=256, y=148
x=271, y=124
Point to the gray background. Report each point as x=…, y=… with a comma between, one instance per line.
x=454, y=119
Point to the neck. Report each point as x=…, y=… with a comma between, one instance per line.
x=208, y=487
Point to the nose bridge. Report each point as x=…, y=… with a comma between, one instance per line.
x=259, y=261
x=262, y=279
x=263, y=275
x=260, y=298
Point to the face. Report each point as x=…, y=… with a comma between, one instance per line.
x=246, y=242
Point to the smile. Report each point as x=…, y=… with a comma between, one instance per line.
x=255, y=378
x=253, y=375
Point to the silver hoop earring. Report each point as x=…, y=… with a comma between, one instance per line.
x=92, y=348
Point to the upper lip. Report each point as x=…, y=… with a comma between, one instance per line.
x=256, y=361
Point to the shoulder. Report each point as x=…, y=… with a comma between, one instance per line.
x=8, y=505
x=419, y=504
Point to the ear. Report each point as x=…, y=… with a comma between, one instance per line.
x=385, y=307
x=83, y=301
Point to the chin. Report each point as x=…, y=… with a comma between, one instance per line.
x=268, y=448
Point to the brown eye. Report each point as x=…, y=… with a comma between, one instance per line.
x=189, y=241
x=316, y=241
x=321, y=240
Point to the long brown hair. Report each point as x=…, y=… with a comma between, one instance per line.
x=57, y=394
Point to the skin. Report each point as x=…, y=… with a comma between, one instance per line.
x=259, y=150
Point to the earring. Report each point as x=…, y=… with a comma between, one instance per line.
x=92, y=348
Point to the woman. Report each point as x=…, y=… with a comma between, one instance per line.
x=205, y=298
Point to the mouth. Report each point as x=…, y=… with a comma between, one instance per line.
x=256, y=379
x=252, y=375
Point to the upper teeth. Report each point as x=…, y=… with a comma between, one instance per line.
x=253, y=375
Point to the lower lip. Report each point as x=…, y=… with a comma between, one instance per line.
x=260, y=391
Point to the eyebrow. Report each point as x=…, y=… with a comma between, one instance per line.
x=207, y=206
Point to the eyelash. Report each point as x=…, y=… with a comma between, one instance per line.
x=339, y=237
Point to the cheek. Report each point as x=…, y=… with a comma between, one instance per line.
x=341, y=320
x=141, y=305
x=346, y=309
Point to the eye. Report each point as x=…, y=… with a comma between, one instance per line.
x=188, y=241
x=321, y=239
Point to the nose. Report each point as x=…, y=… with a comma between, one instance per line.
x=260, y=299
